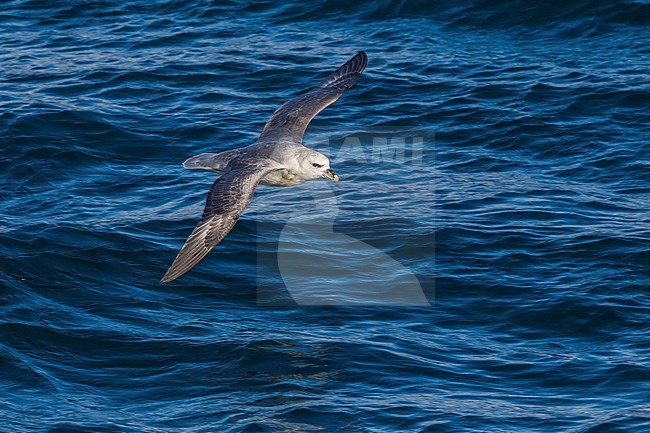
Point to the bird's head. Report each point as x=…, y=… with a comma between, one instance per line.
x=315, y=165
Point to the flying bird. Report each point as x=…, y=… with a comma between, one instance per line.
x=277, y=159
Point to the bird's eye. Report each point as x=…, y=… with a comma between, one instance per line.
x=317, y=165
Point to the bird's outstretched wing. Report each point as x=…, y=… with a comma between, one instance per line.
x=227, y=199
x=294, y=115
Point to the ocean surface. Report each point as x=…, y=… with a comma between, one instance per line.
x=483, y=265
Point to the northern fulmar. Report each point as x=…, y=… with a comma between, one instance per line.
x=277, y=159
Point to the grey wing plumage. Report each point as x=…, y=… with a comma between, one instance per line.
x=294, y=115
x=227, y=199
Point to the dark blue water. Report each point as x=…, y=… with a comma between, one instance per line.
x=488, y=271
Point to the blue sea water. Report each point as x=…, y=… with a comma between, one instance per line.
x=519, y=210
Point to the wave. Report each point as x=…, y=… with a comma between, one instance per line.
x=576, y=17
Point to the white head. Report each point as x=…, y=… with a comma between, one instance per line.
x=315, y=165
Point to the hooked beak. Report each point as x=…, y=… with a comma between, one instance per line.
x=331, y=175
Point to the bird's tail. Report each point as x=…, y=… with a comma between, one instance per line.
x=208, y=161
